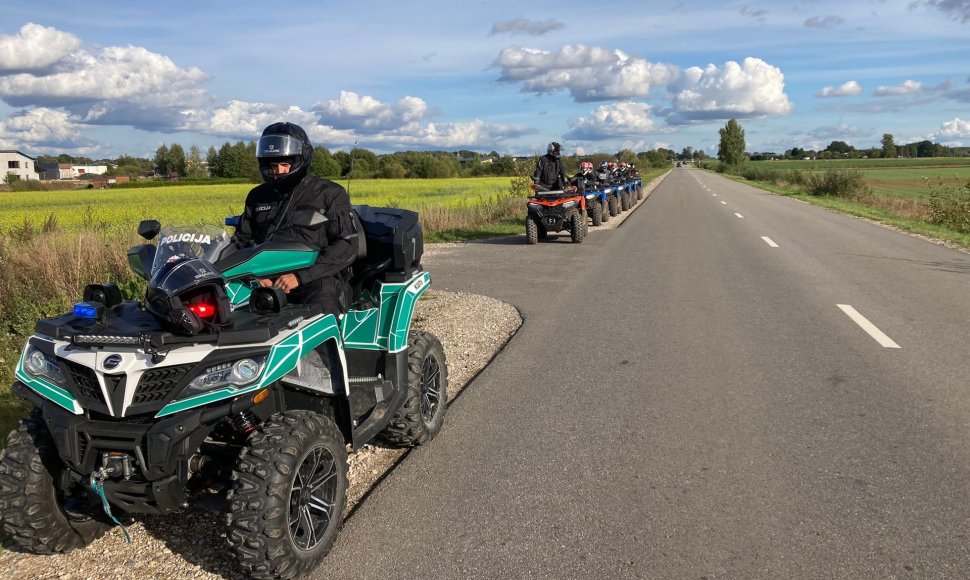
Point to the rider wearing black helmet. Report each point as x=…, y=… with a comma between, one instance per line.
x=294, y=206
x=549, y=173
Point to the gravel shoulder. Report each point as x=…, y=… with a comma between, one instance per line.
x=193, y=544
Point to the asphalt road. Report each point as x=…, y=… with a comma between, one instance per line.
x=687, y=399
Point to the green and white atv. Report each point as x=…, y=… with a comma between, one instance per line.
x=215, y=386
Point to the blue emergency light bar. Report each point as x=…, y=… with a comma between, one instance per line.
x=89, y=310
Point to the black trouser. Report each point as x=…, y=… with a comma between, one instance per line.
x=329, y=293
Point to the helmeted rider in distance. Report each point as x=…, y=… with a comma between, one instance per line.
x=278, y=210
x=585, y=180
x=550, y=174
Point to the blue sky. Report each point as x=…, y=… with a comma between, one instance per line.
x=120, y=77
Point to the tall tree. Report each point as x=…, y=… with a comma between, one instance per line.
x=731, y=148
x=161, y=160
x=194, y=165
x=888, y=146
x=176, y=159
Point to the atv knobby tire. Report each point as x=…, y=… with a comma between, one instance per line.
x=625, y=201
x=423, y=413
x=639, y=192
x=614, y=211
x=288, y=495
x=596, y=213
x=30, y=506
x=605, y=211
x=531, y=232
x=577, y=228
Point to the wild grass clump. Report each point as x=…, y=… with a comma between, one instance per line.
x=950, y=207
x=842, y=183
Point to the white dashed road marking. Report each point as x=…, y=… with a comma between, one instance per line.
x=769, y=241
x=724, y=202
x=739, y=215
x=869, y=327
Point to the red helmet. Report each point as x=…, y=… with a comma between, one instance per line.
x=585, y=165
x=612, y=165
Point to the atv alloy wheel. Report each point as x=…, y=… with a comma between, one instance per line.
x=30, y=506
x=605, y=211
x=577, y=227
x=423, y=413
x=531, y=232
x=596, y=213
x=288, y=495
x=614, y=211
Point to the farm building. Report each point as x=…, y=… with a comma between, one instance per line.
x=70, y=171
x=16, y=163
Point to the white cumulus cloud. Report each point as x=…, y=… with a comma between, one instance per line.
x=849, y=89
x=908, y=87
x=955, y=131
x=365, y=114
x=35, y=47
x=751, y=89
x=41, y=129
x=587, y=73
x=611, y=121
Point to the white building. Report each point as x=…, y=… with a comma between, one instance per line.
x=16, y=163
x=79, y=170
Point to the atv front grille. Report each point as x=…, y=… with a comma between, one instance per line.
x=157, y=384
x=553, y=211
x=85, y=382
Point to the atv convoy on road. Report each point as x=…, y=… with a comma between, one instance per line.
x=216, y=386
x=554, y=211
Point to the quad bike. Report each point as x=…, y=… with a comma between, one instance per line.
x=216, y=386
x=596, y=201
x=554, y=211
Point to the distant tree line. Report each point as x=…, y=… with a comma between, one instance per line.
x=238, y=161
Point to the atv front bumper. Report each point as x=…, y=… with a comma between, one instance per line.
x=158, y=450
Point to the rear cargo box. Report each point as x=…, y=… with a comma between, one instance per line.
x=393, y=234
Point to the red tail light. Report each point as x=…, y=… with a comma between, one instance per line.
x=203, y=310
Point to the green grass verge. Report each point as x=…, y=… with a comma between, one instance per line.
x=862, y=210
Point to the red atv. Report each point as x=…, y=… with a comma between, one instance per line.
x=555, y=211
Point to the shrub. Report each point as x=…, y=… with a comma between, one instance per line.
x=846, y=183
x=950, y=207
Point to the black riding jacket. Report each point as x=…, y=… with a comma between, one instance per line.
x=549, y=173
x=270, y=215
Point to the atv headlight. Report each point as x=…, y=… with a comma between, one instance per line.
x=534, y=206
x=240, y=373
x=569, y=204
x=591, y=196
x=39, y=364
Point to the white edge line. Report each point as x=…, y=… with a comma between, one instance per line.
x=869, y=327
x=769, y=241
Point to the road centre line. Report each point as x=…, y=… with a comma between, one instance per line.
x=769, y=241
x=869, y=327
x=739, y=215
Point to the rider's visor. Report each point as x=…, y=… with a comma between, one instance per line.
x=278, y=146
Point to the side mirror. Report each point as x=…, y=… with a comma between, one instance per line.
x=267, y=300
x=107, y=294
x=140, y=259
x=148, y=229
